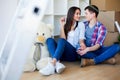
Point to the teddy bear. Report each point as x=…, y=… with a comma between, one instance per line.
x=39, y=55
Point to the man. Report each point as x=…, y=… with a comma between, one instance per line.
x=95, y=33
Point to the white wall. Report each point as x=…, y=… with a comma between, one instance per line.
x=7, y=9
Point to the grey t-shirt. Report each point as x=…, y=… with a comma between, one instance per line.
x=88, y=34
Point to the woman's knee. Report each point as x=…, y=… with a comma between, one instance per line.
x=61, y=40
x=50, y=41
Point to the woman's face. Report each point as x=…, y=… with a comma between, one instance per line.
x=88, y=15
x=77, y=15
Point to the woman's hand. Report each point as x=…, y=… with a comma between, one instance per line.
x=62, y=21
x=82, y=46
x=62, y=33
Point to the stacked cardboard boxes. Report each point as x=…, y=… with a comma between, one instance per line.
x=111, y=38
x=108, y=18
x=107, y=5
x=109, y=13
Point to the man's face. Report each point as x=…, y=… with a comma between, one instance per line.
x=89, y=15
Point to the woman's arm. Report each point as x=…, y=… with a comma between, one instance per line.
x=81, y=28
x=82, y=44
x=62, y=33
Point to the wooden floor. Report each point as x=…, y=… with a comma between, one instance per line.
x=74, y=72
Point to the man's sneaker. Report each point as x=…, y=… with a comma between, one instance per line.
x=48, y=70
x=86, y=62
x=59, y=67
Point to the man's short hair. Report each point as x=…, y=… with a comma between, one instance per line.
x=93, y=8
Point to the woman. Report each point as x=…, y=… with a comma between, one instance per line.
x=65, y=48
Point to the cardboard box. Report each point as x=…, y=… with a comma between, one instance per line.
x=108, y=18
x=111, y=38
x=109, y=5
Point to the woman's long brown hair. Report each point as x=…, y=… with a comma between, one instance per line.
x=69, y=20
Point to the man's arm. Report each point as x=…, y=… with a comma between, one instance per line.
x=93, y=48
x=98, y=43
x=100, y=39
x=102, y=35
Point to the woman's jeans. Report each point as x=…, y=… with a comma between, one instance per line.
x=103, y=53
x=62, y=50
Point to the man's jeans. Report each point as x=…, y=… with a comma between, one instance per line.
x=103, y=53
x=62, y=50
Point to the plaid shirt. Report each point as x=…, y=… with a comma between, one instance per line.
x=99, y=34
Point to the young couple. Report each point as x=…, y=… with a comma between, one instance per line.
x=80, y=39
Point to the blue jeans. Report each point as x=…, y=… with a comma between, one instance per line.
x=62, y=50
x=103, y=53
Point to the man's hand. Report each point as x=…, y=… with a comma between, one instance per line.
x=82, y=52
